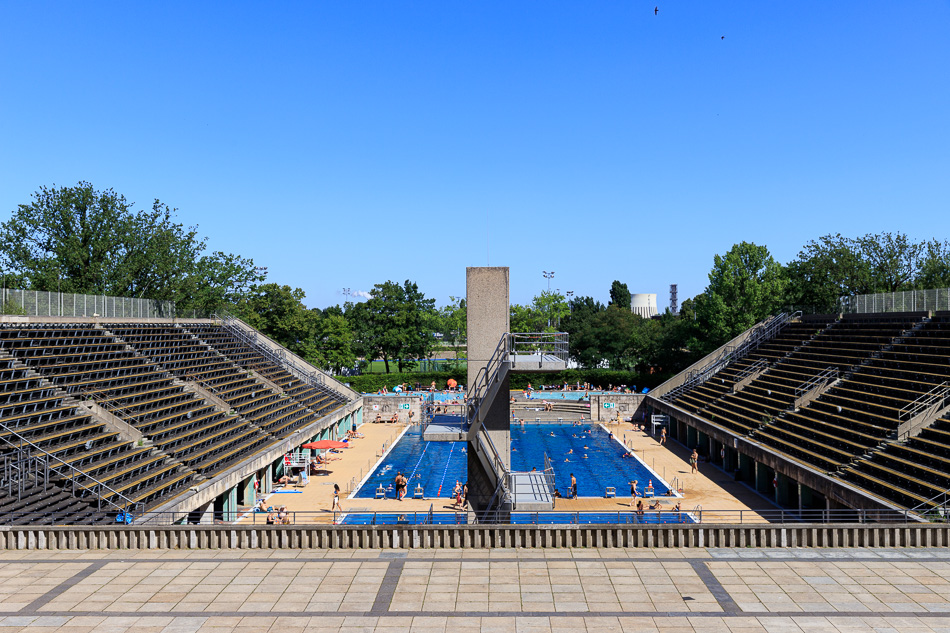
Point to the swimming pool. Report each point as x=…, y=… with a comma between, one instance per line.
x=604, y=465
x=433, y=465
x=599, y=518
x=519, y=518
x=405, y=518
x=437, y=465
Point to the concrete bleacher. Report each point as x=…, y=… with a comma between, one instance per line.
x=877, y=367
x=139, y=412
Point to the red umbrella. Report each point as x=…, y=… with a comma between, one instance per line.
x=325, y=444
x=452, y=383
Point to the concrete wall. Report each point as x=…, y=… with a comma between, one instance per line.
x=627, y=404
x=239, y=537
x=392, y=404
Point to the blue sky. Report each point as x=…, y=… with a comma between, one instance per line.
x=341, y=144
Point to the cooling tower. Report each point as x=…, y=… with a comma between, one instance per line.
x=644, y=305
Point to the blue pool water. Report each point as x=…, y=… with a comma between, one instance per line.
x=518, y=518
x=406, y=518
x=604, y=466
x=440, y=464
x=433, y=465
x=584, y=518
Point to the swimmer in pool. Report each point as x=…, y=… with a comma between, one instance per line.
x=585, y=455
x=566, y=459
x=552, y=433
x=570, y=452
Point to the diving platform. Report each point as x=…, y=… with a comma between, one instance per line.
x=445, y=428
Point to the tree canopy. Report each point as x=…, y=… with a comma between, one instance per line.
x=79, y=239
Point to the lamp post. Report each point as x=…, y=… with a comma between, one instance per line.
x=548, y=276
x=346, y=296
x=570, y=297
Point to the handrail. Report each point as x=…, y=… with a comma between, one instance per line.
x=110, y=406
x=134, y=506
x=935, y=396
x=315, y=378
x=822, y=377
x=758, y=335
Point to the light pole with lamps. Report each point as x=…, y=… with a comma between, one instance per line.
x=548, y=276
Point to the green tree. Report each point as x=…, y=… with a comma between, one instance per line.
x=79, y=239
x=620, y=295
x=395, y=323
x=278, y=311
x=745, y=286
x=549, y=308
x=336, y=339
x=934, y=266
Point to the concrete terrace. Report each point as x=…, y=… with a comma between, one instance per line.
x=500, y=590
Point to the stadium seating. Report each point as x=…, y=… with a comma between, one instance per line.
x=180, y=353
x=321, y=401
x=884, y=362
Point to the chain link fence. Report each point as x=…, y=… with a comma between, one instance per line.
x=905, y=301
x=67, y=304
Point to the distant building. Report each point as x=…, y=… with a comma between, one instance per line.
x=644, y=305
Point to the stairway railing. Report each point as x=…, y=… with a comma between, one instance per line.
x=312, y=377
x=50, y=462
x=762, y=332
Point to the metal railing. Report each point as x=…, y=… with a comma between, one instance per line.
x=818, y=380
x=277, y=355
x=67, y=471
x=663, y=515
x=550, y=345
x=935, y=396
x=904, y=301
x=758, y=335
x=68, y=304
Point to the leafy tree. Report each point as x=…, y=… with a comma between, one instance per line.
x=620, y=295
x=79, y=239
x=935, y=266
x=894, y=260
x=452, y=321
x=278, y=311
x=549, y=308
x=395, y=323
x=745, y=286
x=336, y=339
x=525, y=319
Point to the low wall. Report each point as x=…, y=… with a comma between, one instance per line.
x=626, y=404
x=472, y=536
x=387, y=405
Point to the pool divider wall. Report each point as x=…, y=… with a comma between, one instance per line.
x=471, y=536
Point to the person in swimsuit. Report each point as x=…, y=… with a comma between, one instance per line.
x=573, y=487
x=336, y=499
x=634, y=493
x=694, y=461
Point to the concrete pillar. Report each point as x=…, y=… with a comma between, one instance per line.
x=488, y=313
x=268, y=482
x=230, y=504
x=248, y=493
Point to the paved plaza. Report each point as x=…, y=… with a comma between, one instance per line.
x=291, y=591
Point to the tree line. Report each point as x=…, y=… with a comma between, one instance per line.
x=79, y=239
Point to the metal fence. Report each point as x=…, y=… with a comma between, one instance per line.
x=67, y=304
x=905, y=301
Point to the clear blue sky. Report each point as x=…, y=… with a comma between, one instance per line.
x=341, y=144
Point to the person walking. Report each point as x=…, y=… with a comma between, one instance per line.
x=634, y=493
x=573, y=487
x=336, y=499
x=694, y=462
x=662, y=436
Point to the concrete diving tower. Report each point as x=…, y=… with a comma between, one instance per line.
x=494, y=353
